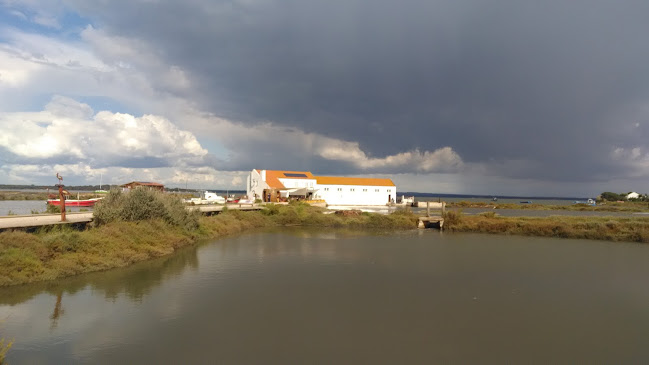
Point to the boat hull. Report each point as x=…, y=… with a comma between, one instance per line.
x=74, y=202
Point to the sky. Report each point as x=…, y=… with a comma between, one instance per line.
x=499, y=97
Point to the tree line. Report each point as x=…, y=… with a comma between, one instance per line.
x=610, y=196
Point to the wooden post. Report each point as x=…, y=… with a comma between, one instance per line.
x=427, y=209
x=62, y=202
x=443, y=208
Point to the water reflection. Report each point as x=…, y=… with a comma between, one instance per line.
x=58, y=310
x=134, y=282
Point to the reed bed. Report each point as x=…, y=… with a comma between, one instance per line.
x=597, y=228
x=601, y=207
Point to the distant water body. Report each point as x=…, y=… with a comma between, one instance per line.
x=22, y=207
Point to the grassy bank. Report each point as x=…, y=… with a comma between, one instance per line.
x=600, y=207
x=21, y=195
x=597, y=228
x=127, y=233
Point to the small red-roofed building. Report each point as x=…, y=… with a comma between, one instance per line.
x=142, y=184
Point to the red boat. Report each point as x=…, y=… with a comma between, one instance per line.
x=75, y=202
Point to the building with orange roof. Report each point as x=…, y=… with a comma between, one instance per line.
x=356, y=190
x=275, y=185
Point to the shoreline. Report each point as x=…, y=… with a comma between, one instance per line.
x=56, y=252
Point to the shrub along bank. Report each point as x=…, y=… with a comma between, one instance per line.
x=144, y=224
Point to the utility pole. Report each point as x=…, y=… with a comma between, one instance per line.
x=61, y=196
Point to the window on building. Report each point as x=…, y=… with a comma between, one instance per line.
x=389, y=190
x=352, y=189
x=377, y=190
x=365, y=190
x=326, y=189
x=340, y=189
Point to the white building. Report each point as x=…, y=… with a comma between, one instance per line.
x=633, y=195
x=272, y=185
x=355, y=190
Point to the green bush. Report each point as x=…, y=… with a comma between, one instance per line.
x=270, y=209
x=452, y=217
x=490, y=214
x=144, y=204
x=52, y=209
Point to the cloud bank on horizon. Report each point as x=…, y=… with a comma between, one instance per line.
x=503, y=97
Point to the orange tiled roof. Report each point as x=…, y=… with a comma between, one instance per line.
x=334, y=180
x=273, y=176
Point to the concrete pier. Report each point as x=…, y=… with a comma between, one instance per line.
x=38, y=220
x=429, y=221
x=219, y=208
x=26, y=221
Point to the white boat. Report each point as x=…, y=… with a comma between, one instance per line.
x=207, y=198
x=101, y=191
x=587, y=202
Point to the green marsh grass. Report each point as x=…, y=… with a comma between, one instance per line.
x=629, y=229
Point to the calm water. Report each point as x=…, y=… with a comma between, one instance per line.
x=341, y=298
x=22, y=207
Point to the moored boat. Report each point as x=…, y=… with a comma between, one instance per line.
x=75, y=202
x=206, y=198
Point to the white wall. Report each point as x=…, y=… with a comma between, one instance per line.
x=255, y=184
x=355, y=194
x=298, y=183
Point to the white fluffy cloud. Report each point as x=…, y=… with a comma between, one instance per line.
x=261, y=145
x=442, y=159
x=82, y=174
x=69, y=129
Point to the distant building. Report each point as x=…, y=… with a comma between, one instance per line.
x=273, y=185
x=142, y=184
x=633, y=195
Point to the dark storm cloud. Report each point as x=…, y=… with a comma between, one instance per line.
x=532, y=89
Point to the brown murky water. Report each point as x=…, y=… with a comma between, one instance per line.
x=346, y=298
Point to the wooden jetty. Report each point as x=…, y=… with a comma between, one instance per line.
x=435, y=221
x=215, y=209
x=38, y=220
